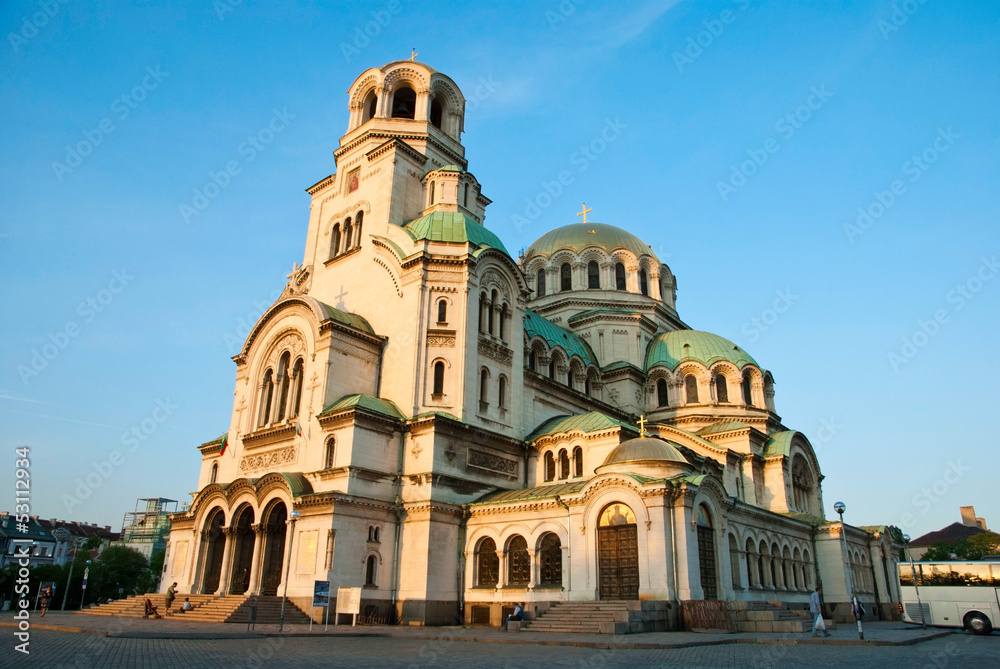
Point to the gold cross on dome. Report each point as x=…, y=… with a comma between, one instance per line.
x=642, y=426
x=584, y=213
x=413, y=56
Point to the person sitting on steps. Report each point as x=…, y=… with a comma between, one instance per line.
x=518, y=614
x=150, y=610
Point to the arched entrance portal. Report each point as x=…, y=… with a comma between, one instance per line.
x=239, y=580
x=706, y=555
x=215, y=544
x=274, y=548
x=617, y=553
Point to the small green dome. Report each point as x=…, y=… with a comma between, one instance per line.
x=644, y=449
x=672, y=348
x=452, y=226
x=578, y=236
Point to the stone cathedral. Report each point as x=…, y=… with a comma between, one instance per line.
x=460, y=430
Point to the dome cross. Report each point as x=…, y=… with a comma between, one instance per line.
x=584, y=213
x=642, y=426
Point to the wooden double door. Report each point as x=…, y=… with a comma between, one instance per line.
x=618, y=562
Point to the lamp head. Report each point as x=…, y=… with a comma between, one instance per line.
x=840, y=507
x=294, y=515
x=906, y=538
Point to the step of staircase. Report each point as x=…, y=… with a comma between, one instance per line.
x=207, y=608
x=581, y=618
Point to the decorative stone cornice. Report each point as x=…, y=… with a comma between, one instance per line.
x=495, y=350
x=269, y=435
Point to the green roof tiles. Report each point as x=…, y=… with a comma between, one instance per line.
x=454, y=227
x=579, y=236
x=367, y=403
x=779, y=443
x=524, y=494
x=557, y=336
x=672, y=348
x=346, y=318
x=586, y=423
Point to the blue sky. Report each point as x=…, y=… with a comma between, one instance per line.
x=740, y=139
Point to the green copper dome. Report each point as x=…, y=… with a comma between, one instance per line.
x=579, y=236
x=644, y=449
x=672, y=348
x=452, y=226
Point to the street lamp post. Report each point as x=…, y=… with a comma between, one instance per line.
x=293, y=516
x=840, y=507
x=83, y=594
x=913, y=570
x=62, y=534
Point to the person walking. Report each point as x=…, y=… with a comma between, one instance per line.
x=816, y=608
x=46, y=598
x=171, y=596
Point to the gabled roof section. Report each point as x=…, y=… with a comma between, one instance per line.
x=525, y=494
x=454, y=227
x=724, y=426
x=951, y=533
x=535, y=325
x=595, y=421
x=345, y=317
x=779, y=443
x=365, y=402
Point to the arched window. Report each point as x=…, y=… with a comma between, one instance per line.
x=487, y=564
x=550, y=561
x=578, y=462
x=404, y=102
x=266, y=393
x=484, y=385
x=643, y=282
x=435, y=113
x=329, y=452
x=747, y=394
x=433, y=191
x=532, y=363
x=283, y=380
x=502, y=393
x=563, y=464
x=552, y=369
x=691, y=389
x=619, y=276
x=214, y=476
x=371, y=533
x=569, y=377
x=369, y=107
x=465, y=196
x=518, y=562
x=503, y=319
x=483, y=306
x=335, y=240
x=734, y=562
x=371, y=565
x=348, y=229
x=565, y=277
x=298, y=372
x=378, y=534
x=358, y=218
x=540, y=283
x=442, y=311
x=593, y=275
x=661, y=393
x=721, y=389
x=439, y=378
x=489, y=316
x=550, y=466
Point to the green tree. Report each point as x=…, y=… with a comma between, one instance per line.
x=117, y=567
x=971, y=548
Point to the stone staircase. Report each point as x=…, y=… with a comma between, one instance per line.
x=207, y=608
x=601, y=617
x=774, y=617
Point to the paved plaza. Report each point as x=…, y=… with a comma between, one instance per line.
x=126, y=643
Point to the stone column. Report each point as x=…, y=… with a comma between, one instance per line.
x=227, y=554
x=199, y=559
x=258, y=530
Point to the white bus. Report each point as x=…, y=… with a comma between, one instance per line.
x=951, y=594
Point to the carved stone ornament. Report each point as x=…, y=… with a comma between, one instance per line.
x=495, y=351
x=274, y=459
x=493, y=463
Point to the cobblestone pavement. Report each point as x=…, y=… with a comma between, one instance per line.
x=51, y=649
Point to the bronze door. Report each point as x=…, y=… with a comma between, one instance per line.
x=706, y=562
x=618, y=562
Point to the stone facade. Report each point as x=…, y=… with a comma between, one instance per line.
x=456, y=428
